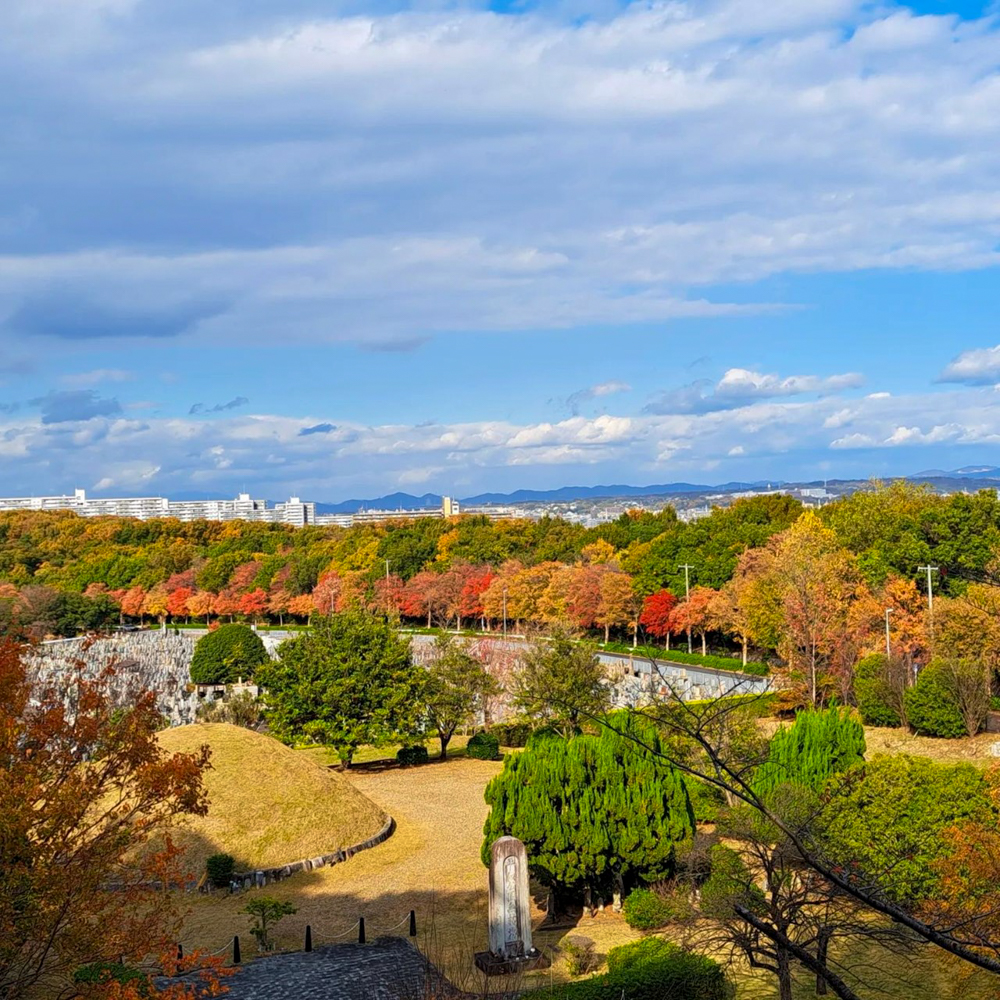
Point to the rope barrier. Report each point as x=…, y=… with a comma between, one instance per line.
x=349, y=930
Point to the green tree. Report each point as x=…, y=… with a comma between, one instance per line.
x=815, y=746
x=266, y=911
x=594, y=812
x=349, y=681
x=873, y=691
x=932, y=706
x=887, y=819
x=457, y=686
x=227, y=654
x=561, y=681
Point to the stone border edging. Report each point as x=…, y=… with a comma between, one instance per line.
x=262, y=876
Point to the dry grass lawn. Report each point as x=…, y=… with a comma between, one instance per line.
x=269, y=805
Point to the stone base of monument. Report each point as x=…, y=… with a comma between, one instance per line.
x=501, y=965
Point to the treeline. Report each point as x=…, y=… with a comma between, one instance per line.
x=805, y=589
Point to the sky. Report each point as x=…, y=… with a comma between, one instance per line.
x=334, y=248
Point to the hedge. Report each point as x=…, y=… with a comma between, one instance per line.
x=729, y=663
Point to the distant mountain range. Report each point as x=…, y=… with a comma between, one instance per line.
x=968, y=477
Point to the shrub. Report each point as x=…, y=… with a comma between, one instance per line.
x=707, y=801
x=729, y=663
x=220, y=868
x=513, y=734
x=932, y=706
x=581, y=955
x=100, y=973
x=651, y=969
x=484, y=746
x=645, y=910
x=227, y=654
x=871, y=691
x=416, y=754
x=815, y=746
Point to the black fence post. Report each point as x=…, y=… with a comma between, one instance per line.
x=309, y=937
x=180, y=952
x=413, y=923
x=236, y=949
x=361, y=930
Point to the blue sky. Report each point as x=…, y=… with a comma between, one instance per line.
x=339, y=248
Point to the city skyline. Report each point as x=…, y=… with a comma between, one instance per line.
x=341, y=250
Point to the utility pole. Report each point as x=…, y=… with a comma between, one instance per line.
x=888, y=647
x=687, y=567
x=930, y=592
x=505, y=613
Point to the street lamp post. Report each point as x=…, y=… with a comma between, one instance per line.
x=930, y=592
x=888, y=647
x=504, y=595
x=687, y=595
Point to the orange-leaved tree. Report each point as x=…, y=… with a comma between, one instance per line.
x=87, y=797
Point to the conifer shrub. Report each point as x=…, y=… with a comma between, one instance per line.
x=645, y=910
x=932, y=705
x=815, y=746
x=599, y=812
x=220, y=868
x=416, y=754
x=484, y=746
x=227, y=654
x=871, y=691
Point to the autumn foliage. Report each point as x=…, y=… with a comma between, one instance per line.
x=87, y=799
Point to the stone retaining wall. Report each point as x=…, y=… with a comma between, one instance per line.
x=263, y=876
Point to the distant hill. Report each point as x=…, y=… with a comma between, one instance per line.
x=394, y=501
x=566, y=493
x=966, y=472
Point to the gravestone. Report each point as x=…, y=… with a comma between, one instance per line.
x=511, y=949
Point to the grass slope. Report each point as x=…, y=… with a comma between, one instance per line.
x=268, y=804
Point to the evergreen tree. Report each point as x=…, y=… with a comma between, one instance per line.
x=229, y=653
x=816, y=746
x=597, y=812
x=349, y=681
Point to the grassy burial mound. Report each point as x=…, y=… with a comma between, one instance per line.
x=268, y=804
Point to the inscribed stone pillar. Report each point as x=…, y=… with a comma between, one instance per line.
x=510, y=912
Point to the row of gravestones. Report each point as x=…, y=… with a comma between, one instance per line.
x=258, y=879
x=154, y=660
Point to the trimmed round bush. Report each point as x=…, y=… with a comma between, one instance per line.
x=931, y=706
x=416, y=754
x=513, y=734
x=645, y=910
x=227, y=654
x=871, y=691
x=220, y=868
x=484, y=746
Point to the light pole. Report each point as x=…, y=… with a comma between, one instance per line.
x=687, y=595
x=504, y=595
x=930, y=592
x=888, y=647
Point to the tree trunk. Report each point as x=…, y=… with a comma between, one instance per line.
x=428, y=616
x=667, y=646
x=743, y=642
x=784, y=976
x=458, y=623
x=822, y=944
x=607, y=634
x=445, y=740
x=704, y=649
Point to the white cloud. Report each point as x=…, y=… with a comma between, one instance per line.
x=97, y=376
x=976, y=367
x=632, y=159
x=740, y=387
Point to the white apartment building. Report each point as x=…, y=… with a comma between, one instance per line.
x=243, y=508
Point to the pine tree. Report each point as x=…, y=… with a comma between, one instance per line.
x=597, y=812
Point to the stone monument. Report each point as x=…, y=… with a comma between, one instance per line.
x=511, y=949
